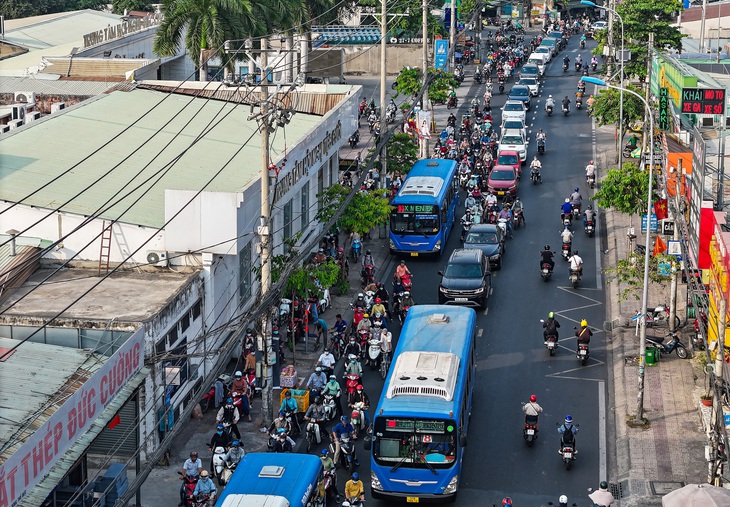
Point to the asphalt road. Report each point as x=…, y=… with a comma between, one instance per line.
x=512, y=361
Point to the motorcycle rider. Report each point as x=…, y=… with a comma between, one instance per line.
x=584, y=333
x=219, y=439
x=546, y=256
x=228, y=414
x=235, y=454
x=569, y=428
x=531, y=410
x=316, y=414
x=588, y=215
x=367, y=259
x=576, y=263
x=205, y=487
x=354, y=488
x=401, y=270
x=590, y=170
x=328, y=464
x=326, y=361
x=360, y=301
x=343, y=428
x=316, y=381
x=591, y=100
x=283, y=442
x=365, y=324
x=279, y=423
x=602, y=495
x=536, y=164
x=566, y=209
x=353, y=367
x=541, y=136
x=566, y=103
x=289, y=406
x=332, y=388
x=566, y=235
x=360, y=396
x=506, y=214
x=192, y=468
x=550, y=102
x=470, y=201
x=550, y=327
x=566, y=61
x=579, y=60
x=241, y=386
x=594, y=61
x=451, y=120
x=519, y=208
x=352, y=348
x=576, y=198
x=491, y=202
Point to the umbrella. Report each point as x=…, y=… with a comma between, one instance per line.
x=699, y=495
x=601, y=497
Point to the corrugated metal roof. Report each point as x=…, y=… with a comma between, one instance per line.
x=31, y=392
x=345, y=35
x=37, y=153
x=41, y=491
x=60, y=30
x=12, y=84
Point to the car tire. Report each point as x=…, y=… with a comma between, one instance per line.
x=483, y=303
x=499, y=263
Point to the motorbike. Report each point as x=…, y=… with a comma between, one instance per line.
x=698, y=341
x=549, y=110
x=579, y=103
x=372, y=358
x=354, y=139
x=567, y=449
x=219, y=463
x=574, y=277
x=311, y=435
x=575, y=208
x=347, y=453
x=330, y=485
x=356, y=249
x=541, y=146
x=363, y=336
x=189, y=484
x=390, y=115
x=368, y=275
x=227, y=473
x=351, y=385
x=674, y=345
x=578, y=66
x=501, y=87
x=478, y=77
x=330, y=407
x=591, y=180
x=359, y=311
x=565, y=67
x=582, y=44
x=546, y=271
x=659, y=314
x=566, y=250
x=535, y=175
x=452, y=103
x=518, y=219
x=463, y=179
x=529, y=431
x=590, y=227
x=567, y=219
x=566, y=110
x=594, y=65
x=358, y=418
x=465, y=226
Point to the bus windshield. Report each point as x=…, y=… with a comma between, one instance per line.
x=423, y=221
x=414, y=443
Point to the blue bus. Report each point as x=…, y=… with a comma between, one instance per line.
x=422, y=418
x=424, y=208
x=275, y=480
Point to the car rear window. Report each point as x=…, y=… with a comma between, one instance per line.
x=520, y=92
x=529, y=70
x=507, y=160
x=512, y=140
x=502, y=175
x=482, y=238
x=513, y=107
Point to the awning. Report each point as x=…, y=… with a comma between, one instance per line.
x=44, y=488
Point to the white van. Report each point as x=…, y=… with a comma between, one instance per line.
x=539, y=60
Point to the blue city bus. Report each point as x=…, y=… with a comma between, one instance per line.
x=422, y=418
x=275, y=480
x=424, y=208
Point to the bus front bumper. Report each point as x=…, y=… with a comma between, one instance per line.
x=435, y=250
x=449, y=494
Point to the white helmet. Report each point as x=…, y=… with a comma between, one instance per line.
x=550, y=96
x=567, y=200
x=563, y=499
x=238, y=374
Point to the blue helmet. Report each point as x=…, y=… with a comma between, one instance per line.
x=576, y=189
x=568, y=419
x=344, y=419
x=236, y=443
x=355, y=476
x=324, y=452
x=229, y=400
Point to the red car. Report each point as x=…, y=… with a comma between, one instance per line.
x=510, y=158
x=502, y=180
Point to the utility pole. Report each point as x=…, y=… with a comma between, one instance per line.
x=675, y=274
x=424, y=102
x=383, y=124
x=265, y=236
x=611, y=46
x=452, y=36
x=702, y=26
x=718, y=420
x=647, y=92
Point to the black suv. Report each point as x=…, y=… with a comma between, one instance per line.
x=466, y=280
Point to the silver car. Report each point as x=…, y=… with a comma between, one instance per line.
x=514, y=109
x=531, y=83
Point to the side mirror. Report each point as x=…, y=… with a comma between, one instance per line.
x=367, y=444
x=462, y=440
x=440, y=273
x=542, y=321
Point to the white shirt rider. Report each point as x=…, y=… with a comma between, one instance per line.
x=535, y=163
x=566, y=235
x=590, y=170
x=549, y=103
x=575, y=262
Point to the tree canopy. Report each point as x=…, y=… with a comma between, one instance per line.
x=624, y=190
x=410, y=79
x=411, y=24
x=607, y=110
x=402, y=153
x=367, y=209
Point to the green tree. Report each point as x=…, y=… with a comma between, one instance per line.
x=624, y=190
x=607, y=110
x=402, y=153
x=642, y=17
x=629, y=274
x=206, y=25
x=366, y=210
x=409, y=82
x=119, y=6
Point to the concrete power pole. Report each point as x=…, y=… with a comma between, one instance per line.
x=383, y=124
x=675, y=274
x=452, y=36
x=424, y=103
x=611, y=46
x=265, y=237
x=717, y=419
x=647, y=92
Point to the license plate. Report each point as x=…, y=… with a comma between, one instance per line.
x=500, y=192
x=551, y=345
x=412, y=499
x=461, y=300
x=414, y=254
x=568, y=455
x=530, y=432
x=583, y=352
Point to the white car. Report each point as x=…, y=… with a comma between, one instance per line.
x=544, y=50
x=599, y=25
x=513, y=139
x=531, y=83
x=514, y=124
x=515, y=110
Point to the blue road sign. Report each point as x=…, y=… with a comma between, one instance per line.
x=442, y=52
x=654, y=224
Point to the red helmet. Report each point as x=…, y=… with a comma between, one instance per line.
x=355, y=414
x=359, y=387
x=533, y=398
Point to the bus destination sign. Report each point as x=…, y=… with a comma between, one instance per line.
x=415, y=208
x=418, y=426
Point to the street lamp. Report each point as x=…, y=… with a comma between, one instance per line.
x=645, y=292
x=621, y=98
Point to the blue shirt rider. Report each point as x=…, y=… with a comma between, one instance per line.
x=567, y=208
x=289, y=404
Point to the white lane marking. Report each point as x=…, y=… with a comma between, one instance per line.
x=479, y=335
x=597, y=243
x=486, y=311
x=602, y=453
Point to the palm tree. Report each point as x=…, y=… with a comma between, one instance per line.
x=205, y=25
x=315, y=12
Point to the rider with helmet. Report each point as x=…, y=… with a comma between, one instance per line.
x=192, y=468
x=546, y=257
x=590, y=170
x=519, y=209
x=550, y=327
x=343, y=429
x=566, y=208
x=576, y=198
x=531, y=410
x=584, y=333
x=550, y=102
x=354, y=488
x=576, y=262
x=567, y=432
x=316, y=414
x=360, y=301
x=588, y=215
x=360, y=396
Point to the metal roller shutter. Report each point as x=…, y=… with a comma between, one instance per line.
x=119, y=440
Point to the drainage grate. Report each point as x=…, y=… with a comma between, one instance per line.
x=618, y=490
x=661, y=488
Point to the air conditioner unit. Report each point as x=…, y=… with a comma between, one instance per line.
x=4, y=129
x=15, y=124
x=25, y=97
x=57, y=107
x=708, y=121
x=157, y=258
x=35, y=115
x=19, y=112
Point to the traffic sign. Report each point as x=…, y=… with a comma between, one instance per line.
x=674, y=247
x=654, y=224
x=664, y=269
x=663, y=109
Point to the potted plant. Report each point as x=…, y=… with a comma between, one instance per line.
x=706, y=400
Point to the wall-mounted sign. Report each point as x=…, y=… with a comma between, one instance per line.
x=663, y=108
x=120, y=30
x=703, y=101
